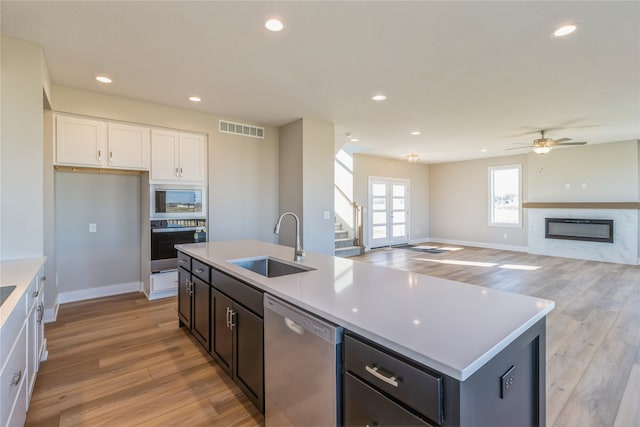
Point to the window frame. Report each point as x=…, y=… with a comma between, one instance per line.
x=492, y=222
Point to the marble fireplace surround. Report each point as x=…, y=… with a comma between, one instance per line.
x=623, y=250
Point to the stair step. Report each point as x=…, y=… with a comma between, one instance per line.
x=349, y=251
x=345, y=242
x=337, y=226
x=341, y=234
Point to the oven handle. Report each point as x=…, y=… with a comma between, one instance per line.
x=176, y=229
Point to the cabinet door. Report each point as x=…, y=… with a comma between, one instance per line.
x=184, y=297
x=193, y=158
x=201, y=304
x=248, y=358
x=129, y=146
x=80, y=142
x=164, y=156
x=221, y=333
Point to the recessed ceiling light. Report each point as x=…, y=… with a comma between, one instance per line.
x=483, y=150
x=378, y=97
x=103, y=79
x=354, y=140
x=564, y=30
x=415, y=132
x=273, y=25
x=195, y=99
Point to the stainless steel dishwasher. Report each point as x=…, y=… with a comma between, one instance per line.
x=302, y=367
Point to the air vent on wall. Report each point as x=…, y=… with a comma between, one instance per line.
x=241, y=129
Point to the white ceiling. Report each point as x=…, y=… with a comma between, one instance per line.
x=467, y=75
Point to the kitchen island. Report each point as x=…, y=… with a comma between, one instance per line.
x=468, y=336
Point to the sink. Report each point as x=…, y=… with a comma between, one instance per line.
x=5, y=291
x=269, y=266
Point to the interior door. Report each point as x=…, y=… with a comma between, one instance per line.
x=388, y=212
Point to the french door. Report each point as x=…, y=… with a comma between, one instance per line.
x=388, y=212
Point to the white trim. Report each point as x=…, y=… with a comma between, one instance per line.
x=152, y=296
x=102, y=291
x=51, y=314
x=477, y=244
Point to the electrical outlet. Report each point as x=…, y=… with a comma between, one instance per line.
x=506, y=382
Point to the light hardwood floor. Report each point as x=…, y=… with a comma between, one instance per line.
x=123, y=360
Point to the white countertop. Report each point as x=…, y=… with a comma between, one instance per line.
x=18, y=272
x=452, y=327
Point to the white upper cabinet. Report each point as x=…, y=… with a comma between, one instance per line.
x=178, y=157
x=98, y=143
x=80, y=142
x=129, y=146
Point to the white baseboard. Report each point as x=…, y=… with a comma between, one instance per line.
x=163, y=294
x=99, y=292
x=51, y=314
x=477, y=244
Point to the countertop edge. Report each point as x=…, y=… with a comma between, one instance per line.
x=18, y=272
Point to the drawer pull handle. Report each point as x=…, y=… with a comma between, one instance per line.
x=199, y=270
x=232, y=315
x=15, y=380
x=389, y=380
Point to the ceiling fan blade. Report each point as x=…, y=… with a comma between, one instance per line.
x=571, y=143
x=519, y=148
x=561, y=140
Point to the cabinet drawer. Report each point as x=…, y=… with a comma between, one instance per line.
x=165, y=281
x=184, y=261
x=246, y=295
x=363, y=405
x=414, y=387
x=200, y=270
x=12, y=377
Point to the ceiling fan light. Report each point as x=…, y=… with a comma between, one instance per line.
x=541, y=150
x=412, y=158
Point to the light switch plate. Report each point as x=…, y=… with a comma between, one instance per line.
x=93, y=228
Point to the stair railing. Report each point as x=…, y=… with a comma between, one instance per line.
x=357, y=218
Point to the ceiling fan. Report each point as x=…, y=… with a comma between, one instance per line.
x=543, y=145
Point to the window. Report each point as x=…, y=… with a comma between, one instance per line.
x=505, y=185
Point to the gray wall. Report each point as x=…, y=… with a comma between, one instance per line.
x=610, y=172
x=21, y=150
x=307, y=182
x=459, y=203
x=109, y=256
x=365, y=166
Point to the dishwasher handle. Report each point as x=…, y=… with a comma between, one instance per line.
x=293, y=326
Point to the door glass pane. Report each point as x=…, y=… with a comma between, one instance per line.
x=398, y=230
x=379, y=189
x=398, y=204
x=380, y=232
x=399, y=218
x=398, y=190
x=379, y=217
x=379, y=204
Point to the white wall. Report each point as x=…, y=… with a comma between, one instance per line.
x=21, y=150
x=459, y=204
x=610, y=172
x=365, y=166
x=290, y=181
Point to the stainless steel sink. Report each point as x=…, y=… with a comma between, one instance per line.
x=270, y=267
x=5, y=291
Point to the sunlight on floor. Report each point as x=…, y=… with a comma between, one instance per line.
x=519, y=267
x=480, y=264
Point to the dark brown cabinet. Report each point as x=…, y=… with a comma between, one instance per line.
x=194, y=298
x=237, y=342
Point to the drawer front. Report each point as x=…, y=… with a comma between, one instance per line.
x=32, y=293
x=200, y=270
x=246, y=295
x=166, y=281
x=13, y=376
x=365, y=406
x=184, y=261
x=12, y=327
x=417, y=388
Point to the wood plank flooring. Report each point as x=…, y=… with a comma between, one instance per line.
x=123, y=360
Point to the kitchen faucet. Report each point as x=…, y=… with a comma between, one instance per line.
x=299, y=252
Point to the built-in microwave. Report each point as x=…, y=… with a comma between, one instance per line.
x=177, y=201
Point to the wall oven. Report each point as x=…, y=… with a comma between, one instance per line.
x=177, y=202
x=166, y=233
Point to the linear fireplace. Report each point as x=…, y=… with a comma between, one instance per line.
x=592, y=230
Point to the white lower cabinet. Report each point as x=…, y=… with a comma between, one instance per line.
x=23, y=345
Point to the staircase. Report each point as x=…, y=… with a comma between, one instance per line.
x=344, y=243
